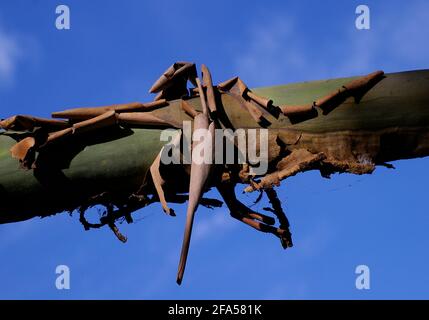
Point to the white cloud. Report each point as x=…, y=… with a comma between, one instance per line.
x=218, y=223
x=10, y=53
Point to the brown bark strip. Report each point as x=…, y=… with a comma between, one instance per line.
x=179, y=70
x=238, y=89
x=160, y=96
x=241, y=212
x=363, y=81
x=58, y=134
x=202, y=96
x=289, y=110
x=106, y=119
x=24, y=122
x=334, y=98
x=349, y=89
x=198, y=180
x=189, y=110
x=116, y=232
x=262, y=101
x=254, y=111
x=277, y=209
x=226, y=85
x=146, y=119
x=242, y=88
x=299, y=160
x=158, y=183
x=350, y=166
x=20, y=150
x=261, y=217
x=261, y=226
x=207, y=79
x=87, y=113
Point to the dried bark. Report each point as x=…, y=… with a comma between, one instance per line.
x=110, y=155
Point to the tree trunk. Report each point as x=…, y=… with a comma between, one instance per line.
x=117, y=160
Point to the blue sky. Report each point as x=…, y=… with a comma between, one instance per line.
x=114, y=52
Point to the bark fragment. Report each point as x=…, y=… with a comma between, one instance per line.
x=237, y=89
x=87, y=113
x=29, y=123
x=158, y=181
x=299, y=160
x=189, y=110
x=207, y=79
x=172, y=83
x=198, y=181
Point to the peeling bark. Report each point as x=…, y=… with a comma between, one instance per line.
x=110, y=155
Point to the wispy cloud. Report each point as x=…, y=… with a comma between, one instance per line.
x=219, y=222
x=273, y=51
x=10, y=54
x=279, y=51
x=13, y=234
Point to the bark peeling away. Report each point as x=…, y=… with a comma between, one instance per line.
x=86, y=157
